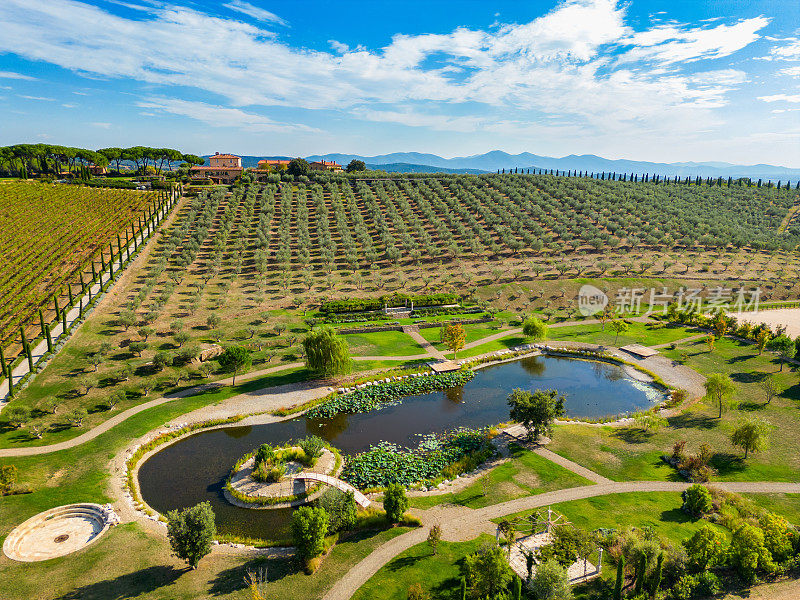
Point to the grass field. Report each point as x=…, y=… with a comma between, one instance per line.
x=382, y=343
x=48, y=235
x=525, y=474
x=627, y=453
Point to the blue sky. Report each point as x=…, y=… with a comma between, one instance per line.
x=667, y=81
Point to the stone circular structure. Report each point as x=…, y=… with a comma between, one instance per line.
x=57, y=532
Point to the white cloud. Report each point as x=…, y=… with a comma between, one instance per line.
x=791, y=72
x=781, y=98
x=12, y=75
x=254, y=11
x=42, y=98
x=790, y=50
x=580, y=62
x=679, y=43
x=101, y=125
x=220, y=116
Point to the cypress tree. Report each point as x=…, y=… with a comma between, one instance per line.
x=28, y=354
x=111, y=261
x=463, y=589
x=641, y=570
x=69, y=293
x=759, y=183
x=41, y=320
x=620, y=579
x=83, y=283
x=655, y=584
x=55, y=304
x=48, y=336
x=3, y=365
x=10, y=376
x=517, y=588
x=63, y=321
x=94, y=272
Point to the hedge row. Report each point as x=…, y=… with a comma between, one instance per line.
x=391, y=300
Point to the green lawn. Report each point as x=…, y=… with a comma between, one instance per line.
x=525, y=474
x=440, y=574
x=627, y=453
x=637, y=333
x=129, y=563
x=382, y=343
x=501, y=344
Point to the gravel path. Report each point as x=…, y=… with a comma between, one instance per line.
x=572, y=466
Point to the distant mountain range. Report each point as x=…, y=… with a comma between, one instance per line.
x=497, y=159
x=490, y=162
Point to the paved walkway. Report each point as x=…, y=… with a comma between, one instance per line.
x=462, y=524
x=572, y=466
x=73, y=314
x=413, y=332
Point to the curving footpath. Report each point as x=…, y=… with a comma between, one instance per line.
x=464, y=524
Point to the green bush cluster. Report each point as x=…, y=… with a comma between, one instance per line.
x=386, y=394
x=391, y=300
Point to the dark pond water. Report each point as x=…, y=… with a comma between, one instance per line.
x=195, y=468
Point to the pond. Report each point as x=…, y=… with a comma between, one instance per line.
x=195, y=468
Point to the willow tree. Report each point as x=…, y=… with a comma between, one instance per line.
x=326, y=353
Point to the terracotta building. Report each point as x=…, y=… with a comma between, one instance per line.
x=222, y=168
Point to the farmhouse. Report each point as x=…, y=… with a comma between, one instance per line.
x=273, y=165
x=325, y=165
x=222, y=168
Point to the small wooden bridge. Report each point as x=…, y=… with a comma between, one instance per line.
x=360, y=498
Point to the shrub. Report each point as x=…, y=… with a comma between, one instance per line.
x=264, y=453
x=312, y=447
x=683, y=588
x=341, y=508
x=697, y=500
x=551, y=582
x=708, y=583
x=309, y=528
x=395, y=502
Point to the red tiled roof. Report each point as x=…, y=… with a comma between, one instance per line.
x=225, y=156
x=217, y=169
x=274, y=162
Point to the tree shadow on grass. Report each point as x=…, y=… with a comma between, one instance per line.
x=232, y=580
x=402, y=562
x=130, y=585
x=726, y=463
x=751, y=406
x=633, y=435
x=675, y=515
x=692, y=421
x=754, y=377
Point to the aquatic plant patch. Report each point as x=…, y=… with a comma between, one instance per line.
x=372, y=397
x=387, y=463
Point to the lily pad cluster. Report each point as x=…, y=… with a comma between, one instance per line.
x=387, y=463
x=381, y=395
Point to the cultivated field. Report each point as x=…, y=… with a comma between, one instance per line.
x=49, y=234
